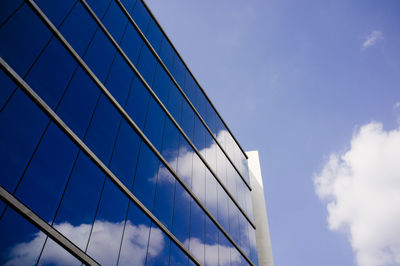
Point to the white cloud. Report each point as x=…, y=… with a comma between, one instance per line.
x=103, y=239
x=362, y=191
x=396, y=105
x=372, y=38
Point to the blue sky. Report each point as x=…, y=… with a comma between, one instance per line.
x=303, y=82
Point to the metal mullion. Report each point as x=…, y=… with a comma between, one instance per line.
x=82, y=146
x=129, y=62
x=47, y=229
x=179, y=88
x=133, y=125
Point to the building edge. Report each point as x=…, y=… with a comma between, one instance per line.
x=263, y=240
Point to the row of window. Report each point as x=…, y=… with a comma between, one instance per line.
x=80, y=97
x=181, y=74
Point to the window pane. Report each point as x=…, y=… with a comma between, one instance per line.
x=211, y=243
x=185, y=162
x=24, y=25
x=197, y=231
x=22, y=124
x=187, y=120
x=166, y=53
x=131, y=44
x=155, y=123
x=154, y=35
x=180, y=225
x=147, y=65
x=99, y=6
x=55, y=10
x=140, y=15
x=177, y=257
x=137, y=103
x=7, y=8
x=170, y=146
x=158, y=249
x=161, y=84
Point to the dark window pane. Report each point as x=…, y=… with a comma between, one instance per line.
x=44, y=181
x=22, y=124
x=7, y=89
x=49, y=82
x=180, y=225
x=253, y=245
x=23, y=26
x=124, y=159
x=7, y=9
x=115, y=21
x=199, y=139
x=129, y=4
x=161, y=84
x=135, y=239
x=154, y=35
x=164, y=197
x=178, y=71
x=120, y=80
x=79, y=28
x=137, y=103
x=107, y=230
x=147, y=65
x=174, y=105
x=224, y=250
x=79, y=102
x=80, y=200
x=211, y=152
x=55, y=10
x=131, y=44
x=141, y=16
x=103, y=130
x=99, y=6
x=167, y=53
x=187, y=120
x=155, y=123
x=100, y=55
x=144, y=185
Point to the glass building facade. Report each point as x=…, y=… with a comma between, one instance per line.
x=110, y=152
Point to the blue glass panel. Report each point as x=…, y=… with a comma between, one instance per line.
x=161, y=84
x=79, y=28
x=119, y=80
x=8, y=7
x=221, y=165
x=179, y=71
x=199, y=136
x=253, y=245
x=201, y=102
x=103, y=130
x=147, y=65
x=99, y=6
x=131, y=44
x=154, y=35
x=100, y=65
x=224, y=250
x=177, y=256
x=106, y=235
x=49, y=82
x=211, y=152
x=141, y=16
x=174, y=105
x=231, y=176
x=137, y=103
x=77, y=210
x=129, y=4
x=170, y=145
x=233, y=221
x=244, y=235
x=158, y=250
x=144, y=185
x=211, y=243
x=167, y=53
x=44, y=181
x=125, y=154
x=135, y=239
x=191, y=90
x=22, y=124
x=115, y=21
x=20, y=241
x=180, y=224
x=79, y=102
x=197, y=231
x=185, y=161
x=165, y=190
x=187, y=120
x=55, y=10
x=154, y=123
x=7, y=89
x=24, y=25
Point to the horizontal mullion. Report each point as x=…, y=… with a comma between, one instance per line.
x=179, y=88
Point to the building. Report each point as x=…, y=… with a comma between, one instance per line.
x=110, y=151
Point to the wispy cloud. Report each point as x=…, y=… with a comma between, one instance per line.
x=362, y=191
x=372, y=38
